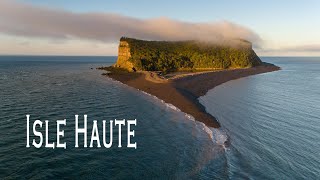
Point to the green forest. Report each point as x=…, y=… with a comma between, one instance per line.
x=169, y=56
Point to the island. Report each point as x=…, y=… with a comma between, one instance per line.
x=179, y=72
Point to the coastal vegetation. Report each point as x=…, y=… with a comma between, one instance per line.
x=170, y=56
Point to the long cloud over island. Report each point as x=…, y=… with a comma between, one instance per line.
x=38, y=21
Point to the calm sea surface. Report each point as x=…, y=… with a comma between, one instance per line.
x=271, y=120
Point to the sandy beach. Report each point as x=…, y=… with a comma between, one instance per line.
x=183, y=92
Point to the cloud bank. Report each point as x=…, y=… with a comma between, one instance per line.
x=34, y=21
x=298, y=50
x=304, y=48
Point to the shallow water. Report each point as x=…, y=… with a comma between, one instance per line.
x=273, y=121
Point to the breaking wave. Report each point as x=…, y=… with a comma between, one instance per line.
x=217, y=135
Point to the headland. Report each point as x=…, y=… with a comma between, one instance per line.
x=182, y=83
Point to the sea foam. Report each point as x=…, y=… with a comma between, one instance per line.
x=217, y=135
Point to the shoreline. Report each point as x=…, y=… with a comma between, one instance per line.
x=183, y=92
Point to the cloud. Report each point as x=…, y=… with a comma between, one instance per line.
x=303, y=48
x=34, y=21
x=294, y=50
x=309, y=48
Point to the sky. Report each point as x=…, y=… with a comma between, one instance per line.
x=82, y=27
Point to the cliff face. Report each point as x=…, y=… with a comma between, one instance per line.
x=169, y=56
x=124, y=56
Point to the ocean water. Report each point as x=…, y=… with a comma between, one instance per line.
x=271, y=121
x=170, y=144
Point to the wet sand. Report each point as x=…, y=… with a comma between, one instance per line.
x=184, y=92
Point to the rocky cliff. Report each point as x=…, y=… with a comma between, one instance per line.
x=124, y=56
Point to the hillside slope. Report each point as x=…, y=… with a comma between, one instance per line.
x=168, y=56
